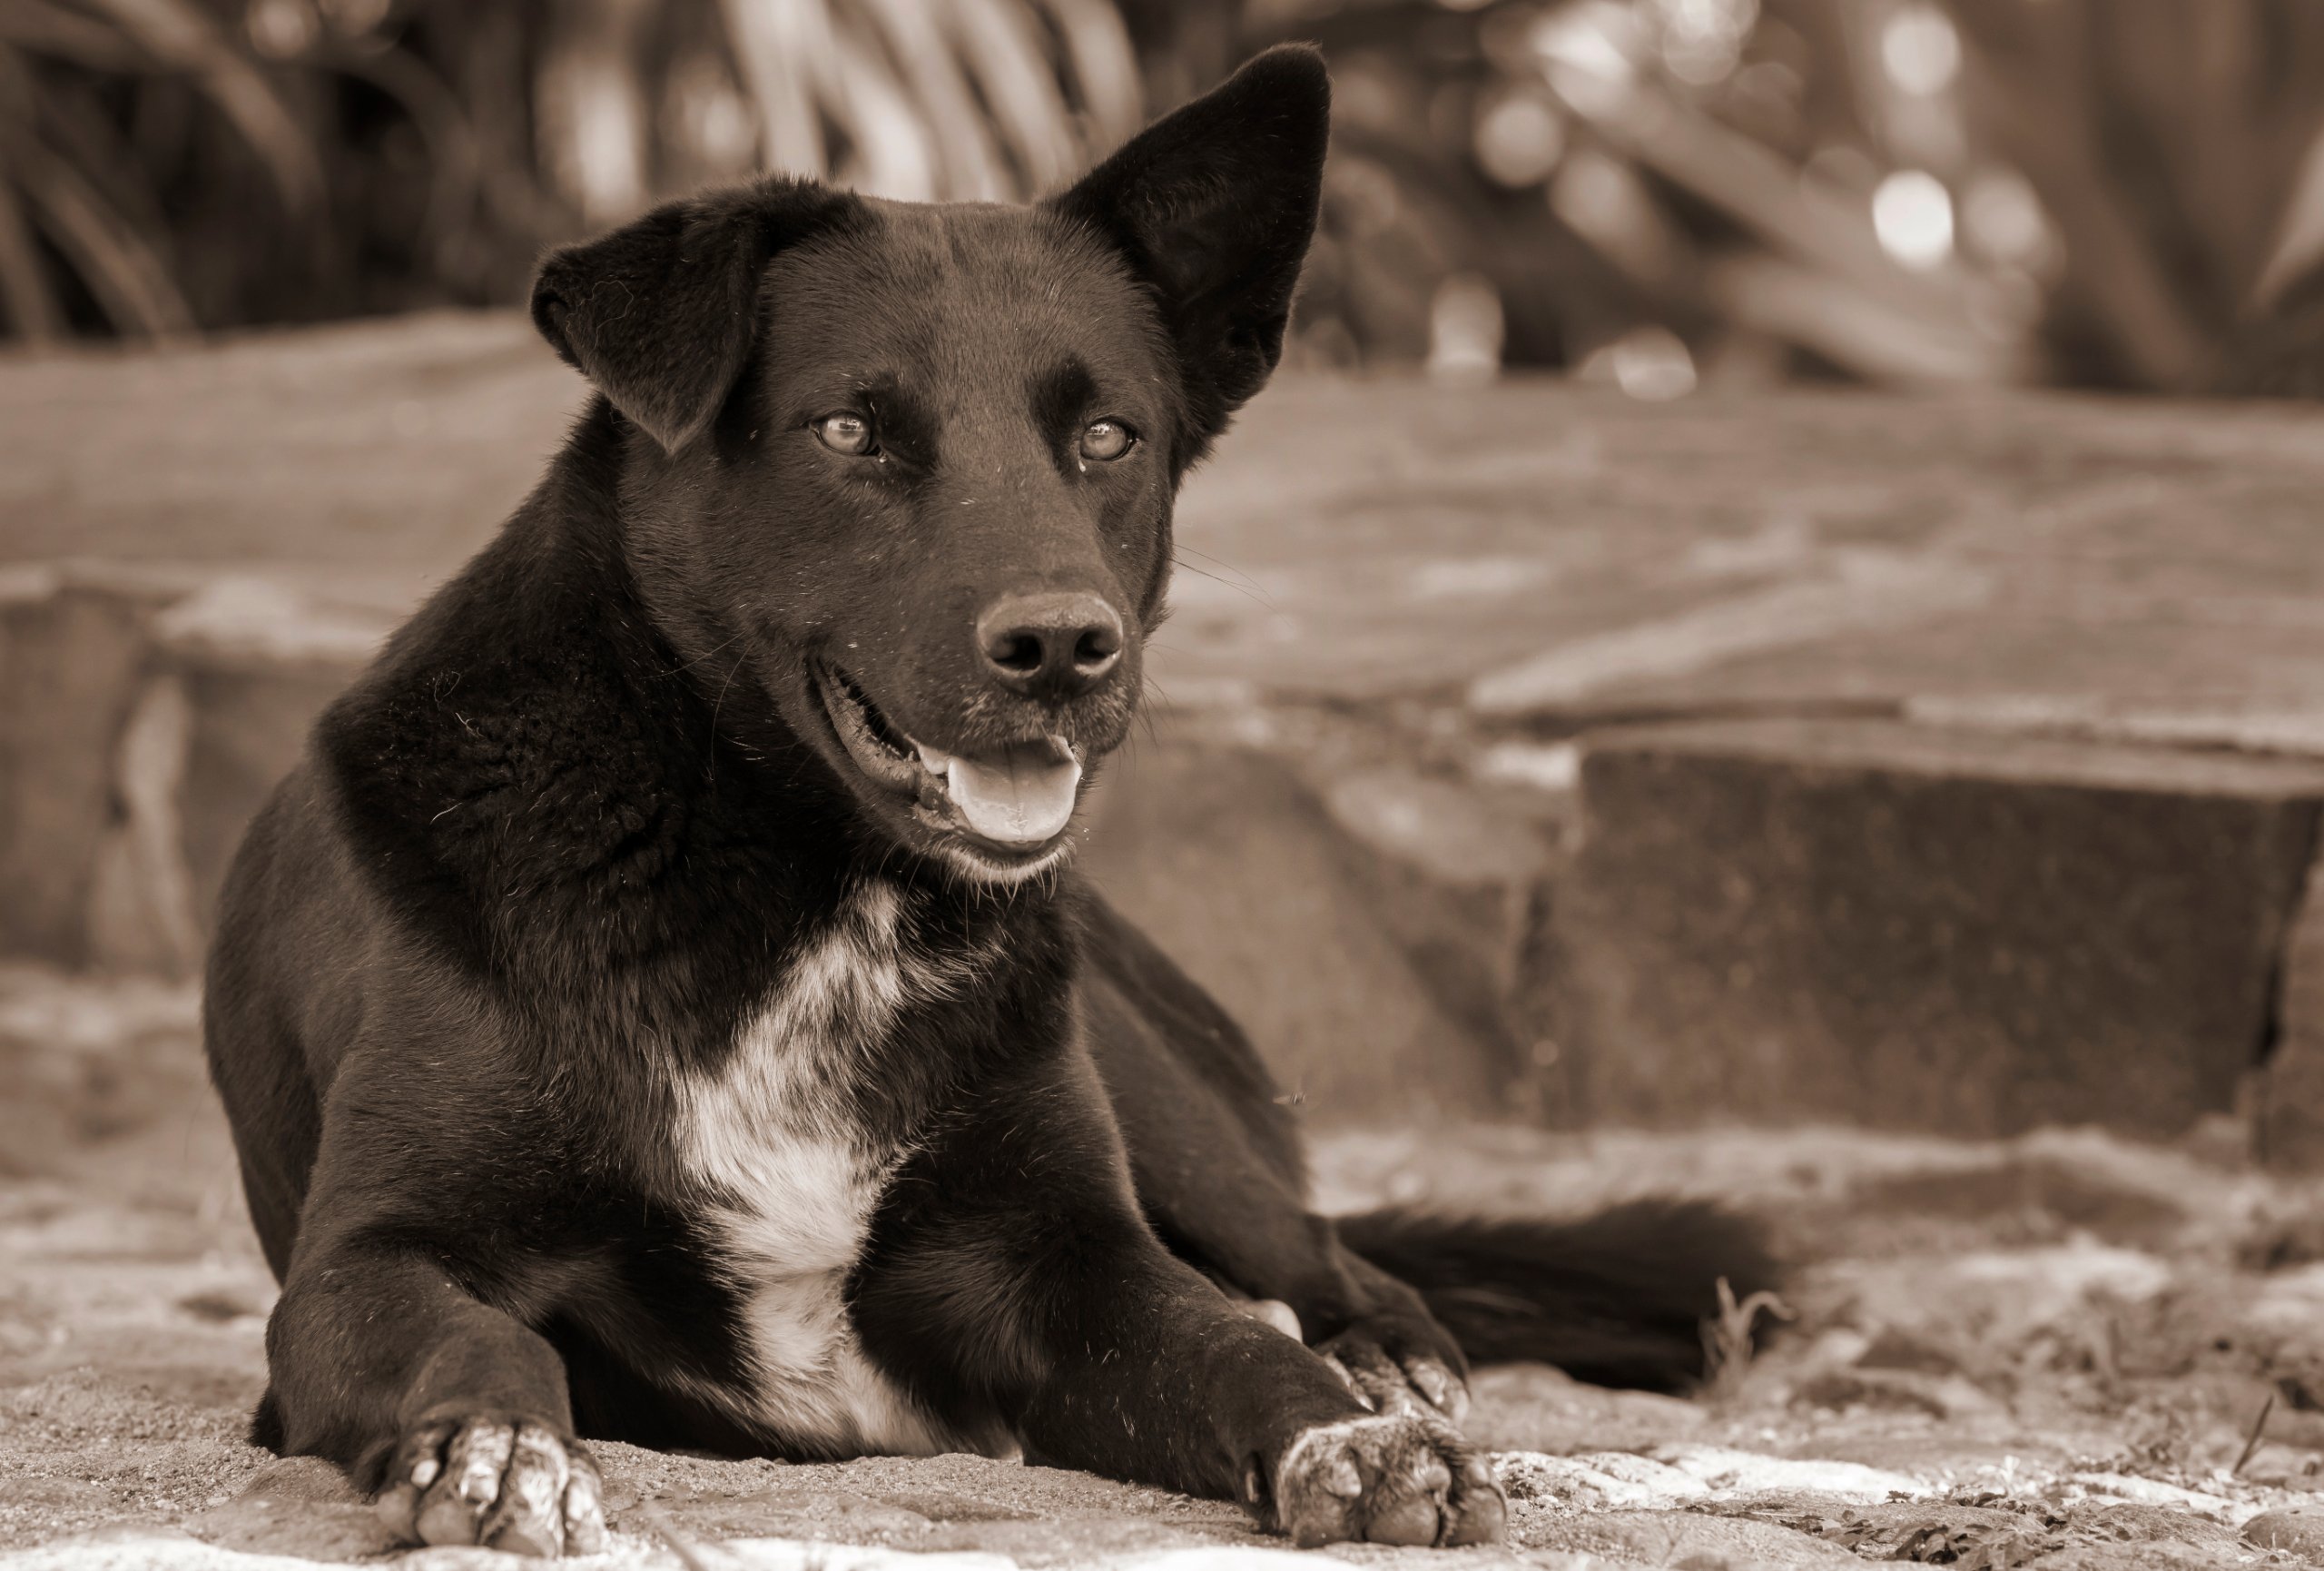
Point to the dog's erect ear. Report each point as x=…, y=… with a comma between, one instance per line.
x=1213, y=206
x=662, y=312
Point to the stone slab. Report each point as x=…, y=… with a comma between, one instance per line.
x=1356, y=538
x=378, y=454
x=72, y=660
x=1355, y=911
x=144, y=717
x=1519, y=563
x=1787, y=921
x=250, y=729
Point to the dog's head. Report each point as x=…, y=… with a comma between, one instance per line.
x=909, y=469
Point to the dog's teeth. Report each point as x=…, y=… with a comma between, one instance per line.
x=937, y=763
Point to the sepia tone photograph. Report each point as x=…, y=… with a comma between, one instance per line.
x=1149, y=785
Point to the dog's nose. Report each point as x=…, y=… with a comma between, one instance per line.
x=1050, y=645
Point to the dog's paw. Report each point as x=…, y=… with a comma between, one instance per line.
x=1386, y=1480
x=496, y=1480
x=1409, y=1381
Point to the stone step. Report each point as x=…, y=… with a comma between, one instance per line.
x=144, y=717
x=1766, y=920
x=1361, y=923
x=1786, y=921
x=1358, y=915
x=1403, y=816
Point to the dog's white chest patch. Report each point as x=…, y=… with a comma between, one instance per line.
x=797, y=1180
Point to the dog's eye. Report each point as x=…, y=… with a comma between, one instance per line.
x=1105, y=441
x=844, y=434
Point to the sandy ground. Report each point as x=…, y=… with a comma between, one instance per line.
x=2063, y=1351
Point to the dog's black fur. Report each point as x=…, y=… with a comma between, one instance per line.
x=597, y=953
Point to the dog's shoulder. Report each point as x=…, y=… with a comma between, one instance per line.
x=509, y=683
x=529, y=742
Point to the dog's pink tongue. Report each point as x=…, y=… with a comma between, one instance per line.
x=1021, y=796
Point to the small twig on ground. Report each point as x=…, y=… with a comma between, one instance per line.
x=1727, y=1339
x=691, y=1551
x=2258, y=1431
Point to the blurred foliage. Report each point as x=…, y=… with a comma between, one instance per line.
x=172, y=164
x=2109, y=192
x=2106, y=192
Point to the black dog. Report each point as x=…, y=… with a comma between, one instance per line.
x=658, y=1009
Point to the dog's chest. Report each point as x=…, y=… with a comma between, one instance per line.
x=794, y=1178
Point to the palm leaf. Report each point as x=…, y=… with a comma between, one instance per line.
x=1104, y=69
x=1004, y=52
x=32, y=309
x=973, y=170
x=24, y=288
x=128, y=279
x=773, y=41
x=593, y=111
x=179, y=35
x=43, y=27
x=890, y=151
x=958, y=100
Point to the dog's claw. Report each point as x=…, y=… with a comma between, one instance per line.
x=1347, y=1377
x=1445, y=1391
x=1483, y=1517
x=1416, y=1383
x=528, y=1518
x=584, y=1509
x=502, y=1483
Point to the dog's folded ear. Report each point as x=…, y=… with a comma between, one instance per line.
x=1213, y=206
x=662, y=312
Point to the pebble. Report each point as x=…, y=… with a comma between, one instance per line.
x=2299, y=1531
x=2150, y=1492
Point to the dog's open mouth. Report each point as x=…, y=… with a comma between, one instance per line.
x=1015, y=799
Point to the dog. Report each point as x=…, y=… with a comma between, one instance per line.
x=659, y=1006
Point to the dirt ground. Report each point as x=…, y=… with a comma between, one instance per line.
x=2061, y=1352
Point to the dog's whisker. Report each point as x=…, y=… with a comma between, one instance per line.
x=710, y=653
x=1241, y=582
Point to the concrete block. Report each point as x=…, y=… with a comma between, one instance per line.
x=72, y=660
x=143, y=916
x=1790, y=920
x=1233, y=863
x=249, y=728
x=260, y=661
x=2288, y=1100
x=1449, y=870
x=144, y=717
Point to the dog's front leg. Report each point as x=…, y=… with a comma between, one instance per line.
x=453, y=1411
x=1011, y=1275
x=384, y=1359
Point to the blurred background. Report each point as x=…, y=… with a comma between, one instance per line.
x=1763, y=648
x=2112, y=193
